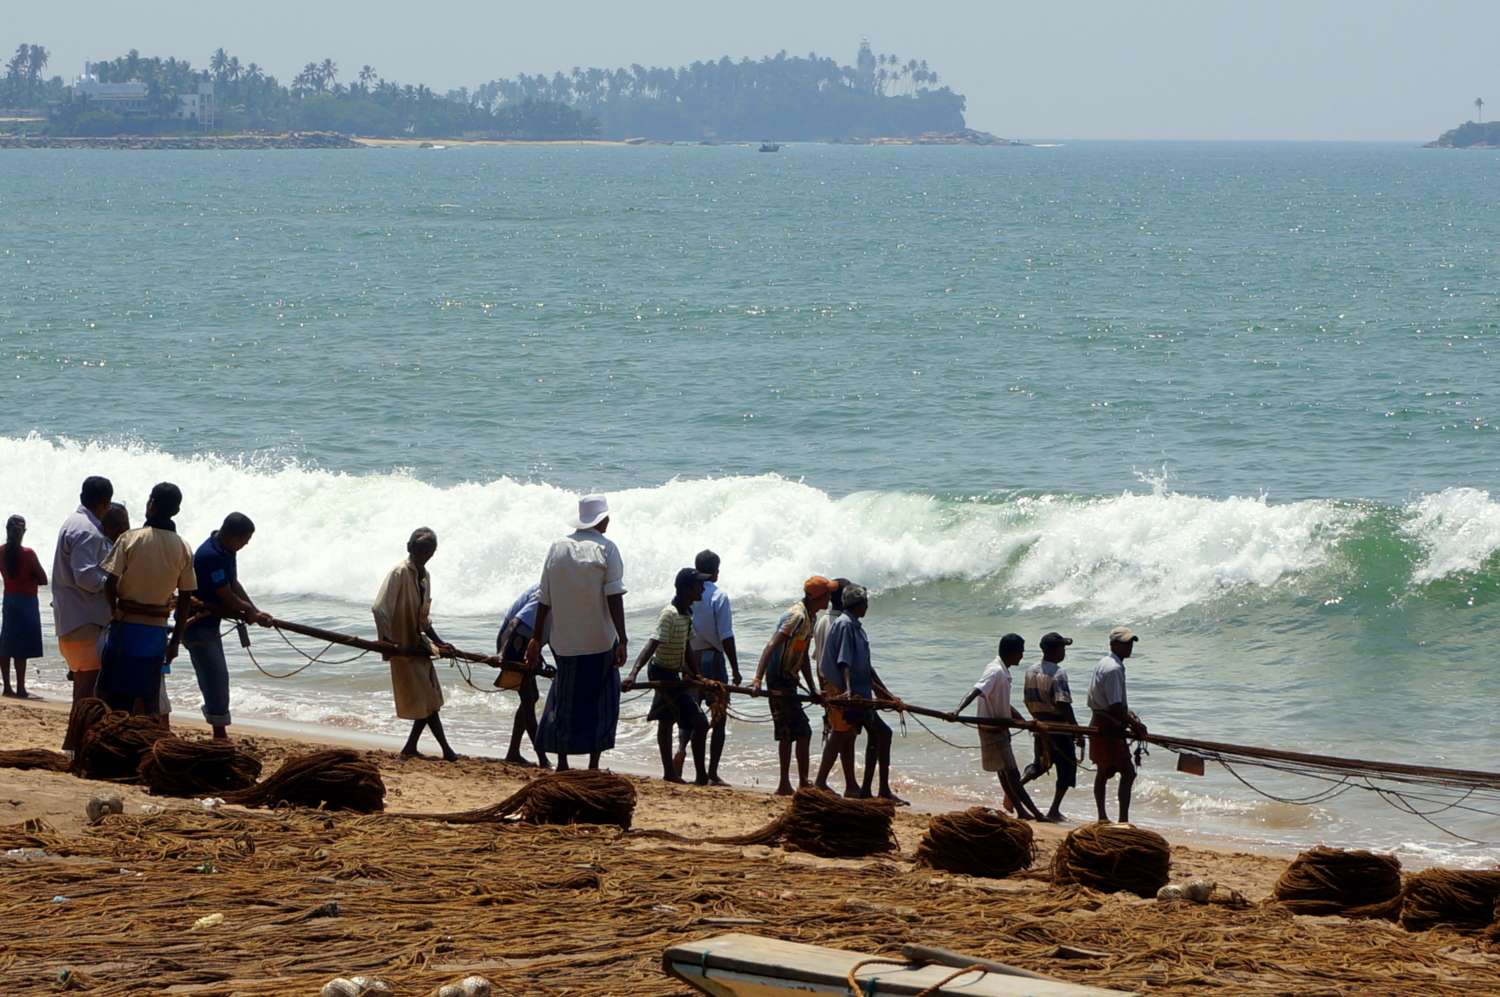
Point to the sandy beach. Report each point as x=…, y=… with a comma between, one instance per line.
x=305, y=896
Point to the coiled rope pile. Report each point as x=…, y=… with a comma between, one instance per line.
x=1350, y=882
x=977, y=842
x=338, y=779
x=1459, y=900
x=111, y=743
x=576, y=796
x=820, y=823
x=1113, y=857
x=174, y=767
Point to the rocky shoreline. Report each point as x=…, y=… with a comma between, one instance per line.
x=966, y=136
x=292, y=140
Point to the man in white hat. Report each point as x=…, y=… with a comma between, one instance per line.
x=1108, y=749
x=582, y=598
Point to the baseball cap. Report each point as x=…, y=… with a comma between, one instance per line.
x=1122, y=635
x=817, y=586
x=1055, y=639
x=690, y=576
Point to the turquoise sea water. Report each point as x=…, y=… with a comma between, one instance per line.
x=1238, y=396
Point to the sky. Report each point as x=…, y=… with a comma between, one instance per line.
x=1070, y=69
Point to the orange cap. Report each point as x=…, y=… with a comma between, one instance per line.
x=817, y=586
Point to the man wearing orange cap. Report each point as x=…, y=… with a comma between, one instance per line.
x=782, y=664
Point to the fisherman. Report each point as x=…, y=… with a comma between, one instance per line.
x=115, y=524
x=1050, y=701
x=146, y=567
x=80, y=612
x=20, y=610
x=220, y=589
x=712, y=646
x=403, y=616
x=510, y=647
x=582, y=597
x=993, y=692
x=670, y=662
x=849, y=656
x=833, y=714
x=783, y=663
x=1108, y=749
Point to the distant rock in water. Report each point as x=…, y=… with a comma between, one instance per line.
x=291, y=140
x=1469, y=135
x=964, y=136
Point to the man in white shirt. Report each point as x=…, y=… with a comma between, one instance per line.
x=1108, y=749
x=80, y=611
x=582, y=598
x=993, y=692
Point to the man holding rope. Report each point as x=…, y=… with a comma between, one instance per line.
x=510, y=646
x=676, y=704
x=1108, y=749
x=782, y=663
x=848, y=656
x=220, y=589
x=1050, y=701
x=146, y=567
x=403, y=616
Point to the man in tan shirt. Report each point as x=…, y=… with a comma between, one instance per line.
x=150, y=571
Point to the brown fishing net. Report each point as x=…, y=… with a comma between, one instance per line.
x=1460, y=900
x=1113, y=857
x=35, y=758
x=823, y=824
x=111, y=743
x=576, y=796
x=977, y=842
x=338, y=779
x=1350, y=882
x=174, y=767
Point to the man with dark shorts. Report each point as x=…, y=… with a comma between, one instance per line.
x=1108, y=749
x=510, y=646
x=217, y=568
x=848, y=656
x=670, y=662
x=712, y=646
x=1050, y=701
x=783, y=663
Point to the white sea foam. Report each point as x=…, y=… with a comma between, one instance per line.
x=334, y=535
x=1458, y=529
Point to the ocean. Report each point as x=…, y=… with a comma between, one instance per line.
x=1238, y=396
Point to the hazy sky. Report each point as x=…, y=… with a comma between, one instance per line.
x=1267, y=69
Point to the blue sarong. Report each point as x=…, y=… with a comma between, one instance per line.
x=20, y=627
x=131, y=664
x=583, y=705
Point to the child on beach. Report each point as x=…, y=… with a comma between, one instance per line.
x=783, y=663
x=993, y=692
x=669, y=661
x=21, y=618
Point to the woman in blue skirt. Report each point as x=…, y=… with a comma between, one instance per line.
x=20, y=613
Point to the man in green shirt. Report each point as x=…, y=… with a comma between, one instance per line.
x=666, y=654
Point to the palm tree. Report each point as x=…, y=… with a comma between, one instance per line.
x=328, y=72
x=218, y=64
x=1479, y=106
x=366, y=74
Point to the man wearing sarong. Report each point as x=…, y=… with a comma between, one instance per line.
x=670, y=662
x=150, y=570
x=582, y=598
x=80, y=612
x=403, y=616
x=1050, y=701
x=784, y=663
x=1108, y=749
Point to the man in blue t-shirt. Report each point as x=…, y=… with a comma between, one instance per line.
x=219, y=590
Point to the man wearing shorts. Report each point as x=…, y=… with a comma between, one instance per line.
x=1108, y=749
x=848, y=654
x=510, y=646
x=1050, y=701
x=80, y=611
x=993, y=693
x=783, y=663
x=675, y=705
x=712, y=646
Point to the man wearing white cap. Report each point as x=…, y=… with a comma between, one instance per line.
x=582, y=596
x=1108, y=749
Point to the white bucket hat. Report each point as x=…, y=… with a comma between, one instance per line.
x=591, y=510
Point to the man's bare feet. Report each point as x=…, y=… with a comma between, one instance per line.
x=785, y=789
x=714, y=780
x=1057, y=818
x=521, y=760
x=888, y=795
x=453, y=756
x=411, y=753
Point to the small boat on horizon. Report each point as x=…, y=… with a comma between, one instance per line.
x=770, y=147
